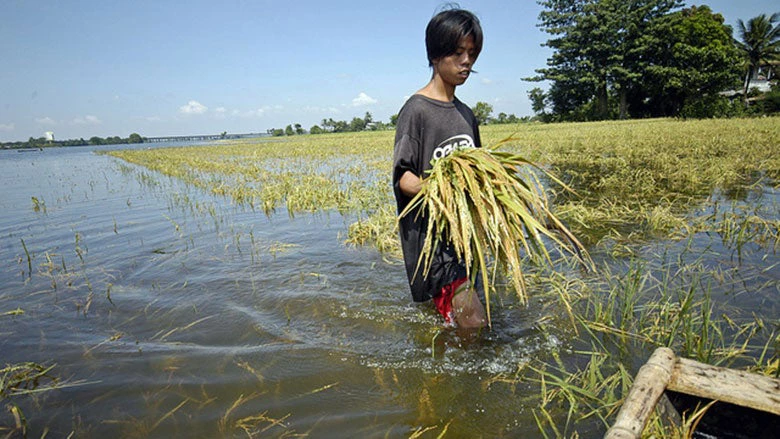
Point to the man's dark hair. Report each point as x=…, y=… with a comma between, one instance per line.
x=446, y=29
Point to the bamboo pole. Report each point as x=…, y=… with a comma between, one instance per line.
x=738, y=387
x=649, y=385
x=664, y=371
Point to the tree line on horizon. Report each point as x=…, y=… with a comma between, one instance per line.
x=366, y=123
x=651, y=58
x=43, y=142
x=482, y=111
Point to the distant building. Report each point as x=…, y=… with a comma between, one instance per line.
x=761, y=81
x=49, y=136
x=762, y=77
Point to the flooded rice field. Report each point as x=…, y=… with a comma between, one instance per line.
x=163, y=310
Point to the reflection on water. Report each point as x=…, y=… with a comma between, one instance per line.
x=175, y=313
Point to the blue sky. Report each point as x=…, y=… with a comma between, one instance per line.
x=105, y=68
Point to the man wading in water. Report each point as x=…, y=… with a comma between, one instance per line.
x=431, y=124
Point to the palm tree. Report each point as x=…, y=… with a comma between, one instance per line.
x=760, y=42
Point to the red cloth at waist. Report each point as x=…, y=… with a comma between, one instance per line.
x=443, y=301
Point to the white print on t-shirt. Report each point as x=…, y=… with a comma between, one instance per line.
x=456, y=142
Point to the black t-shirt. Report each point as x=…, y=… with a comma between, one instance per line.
x=427, y=130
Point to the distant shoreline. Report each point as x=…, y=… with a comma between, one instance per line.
x=42, y=142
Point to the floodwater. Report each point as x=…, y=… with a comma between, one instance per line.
x=169, y=312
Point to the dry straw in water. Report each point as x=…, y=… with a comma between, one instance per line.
x=476, y=201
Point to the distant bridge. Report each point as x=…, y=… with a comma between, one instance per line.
x=203, y=137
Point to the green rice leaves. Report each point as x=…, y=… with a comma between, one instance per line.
x=476, y=200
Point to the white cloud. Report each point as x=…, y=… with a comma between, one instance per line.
x=7, y=126
x=220, y=112
x=486, y=81
x=46, y=121
x=193, y=107
x=362, y=100
x=87, y=120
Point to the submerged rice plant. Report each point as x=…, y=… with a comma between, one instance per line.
x=671, y=305
x=476, y=201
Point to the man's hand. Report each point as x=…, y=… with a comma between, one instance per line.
x=410, y=184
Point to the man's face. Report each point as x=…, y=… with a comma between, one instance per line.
x=455, y=69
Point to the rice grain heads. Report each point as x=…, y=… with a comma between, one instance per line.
x=476, y=200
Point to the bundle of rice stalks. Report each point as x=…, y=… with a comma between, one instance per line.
x=476, y=200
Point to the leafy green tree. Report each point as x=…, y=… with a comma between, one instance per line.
x=340, y=126
x=357, y=124
x=634, y=18
x=760, y=42
x=299, y=129
x=315, y=129
x=95, y=140
x=537, y=97
x=596, y=52
x=771, y=101
x=135, y=138
x=73, y=142
x=394, y=119
x=691, y=57
x=504, y=118
x=575, y=70
x=288, y=131
x=379, y=126
x=482, y=111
